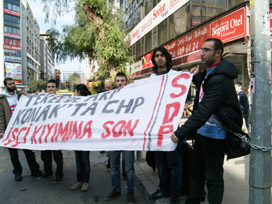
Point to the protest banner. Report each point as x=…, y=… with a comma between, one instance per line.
x=140, y=116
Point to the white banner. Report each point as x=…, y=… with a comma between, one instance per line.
x=140, y=116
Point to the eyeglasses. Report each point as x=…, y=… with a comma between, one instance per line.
x=205, y=50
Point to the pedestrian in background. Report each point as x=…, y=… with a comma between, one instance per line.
x=243, y=100
x=82, y=157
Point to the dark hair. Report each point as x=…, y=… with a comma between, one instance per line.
x=121, y=74
x=167, y=56
x=83, y=90
x=218, y=45
x=6, y=80
x=52, y=81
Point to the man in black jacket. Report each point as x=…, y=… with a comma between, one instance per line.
x=216, y=105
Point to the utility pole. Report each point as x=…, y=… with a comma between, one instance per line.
x=260, y=161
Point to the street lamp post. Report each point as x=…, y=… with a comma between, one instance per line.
x=260, y=161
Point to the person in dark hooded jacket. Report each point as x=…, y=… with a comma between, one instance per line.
x=216, y=106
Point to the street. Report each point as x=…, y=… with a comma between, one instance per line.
x=33, y=191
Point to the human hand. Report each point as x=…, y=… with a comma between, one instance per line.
x=1, y=135
x=174, y=138
x=195, y=70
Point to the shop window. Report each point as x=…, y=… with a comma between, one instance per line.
x=148, y=41
x=171, y=27
x=138, y=48
x=181, y=19
x=162, y=32
x=154, y=37
x=148, y=5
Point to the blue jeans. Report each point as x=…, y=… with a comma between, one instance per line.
x=115, y=169
x=83, y=166
x=170, y=171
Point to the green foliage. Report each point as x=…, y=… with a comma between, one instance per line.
x=103, y=42
x=73, y=80
x=33, y=85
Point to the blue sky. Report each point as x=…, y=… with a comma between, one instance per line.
x=67, y=19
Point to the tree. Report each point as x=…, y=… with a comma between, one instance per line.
x=73, y=80
x=96, y=34
x=37, y=85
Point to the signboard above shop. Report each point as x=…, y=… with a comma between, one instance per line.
x=184, y=49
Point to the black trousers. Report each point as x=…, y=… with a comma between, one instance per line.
x=169, y=165
x=46, y=156
x=31, y=160
x=207, y=165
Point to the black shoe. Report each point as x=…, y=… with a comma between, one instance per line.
x=158, y=194
x=58, y=180
x=44, y=176
x=174, y=200
x=112, y=195
x=18, y=178
x=130, y=198
x=36, y=174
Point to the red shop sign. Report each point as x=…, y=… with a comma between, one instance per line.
x=231, y=26
x=228, y=28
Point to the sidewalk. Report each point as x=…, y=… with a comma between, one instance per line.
x=236, y=174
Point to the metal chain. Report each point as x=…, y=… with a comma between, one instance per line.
x=245, y=139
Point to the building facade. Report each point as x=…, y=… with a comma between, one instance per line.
x=182, y=26
x=19, y=42
x=30, y=44
x=11, y=41
x=47, y=62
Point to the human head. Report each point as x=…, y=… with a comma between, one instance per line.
x=238, y=86
x=51, y=86
x=108, y=85
x=10, y=84
x=82, y=90
x=120, y=80
x=161, y=58
x=211, y=51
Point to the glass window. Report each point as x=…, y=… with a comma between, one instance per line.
x=137, y=16
x=138, y=48
x=181, y=17
x=233, y=3
x=148, y=5
x=162, y=32
x=154, y=37
x=171, y=27
x=148, y=41
x=129, y=24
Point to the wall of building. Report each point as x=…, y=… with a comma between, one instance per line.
x=11, y=45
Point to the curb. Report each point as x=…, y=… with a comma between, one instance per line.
x=146, y=186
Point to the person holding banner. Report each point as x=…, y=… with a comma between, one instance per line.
x=82, y=157
x=46, y=155
x=216, y=106
x=8, y=102
x=120, y=82
x=168, y=163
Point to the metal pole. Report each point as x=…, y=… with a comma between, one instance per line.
x=260, y=161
